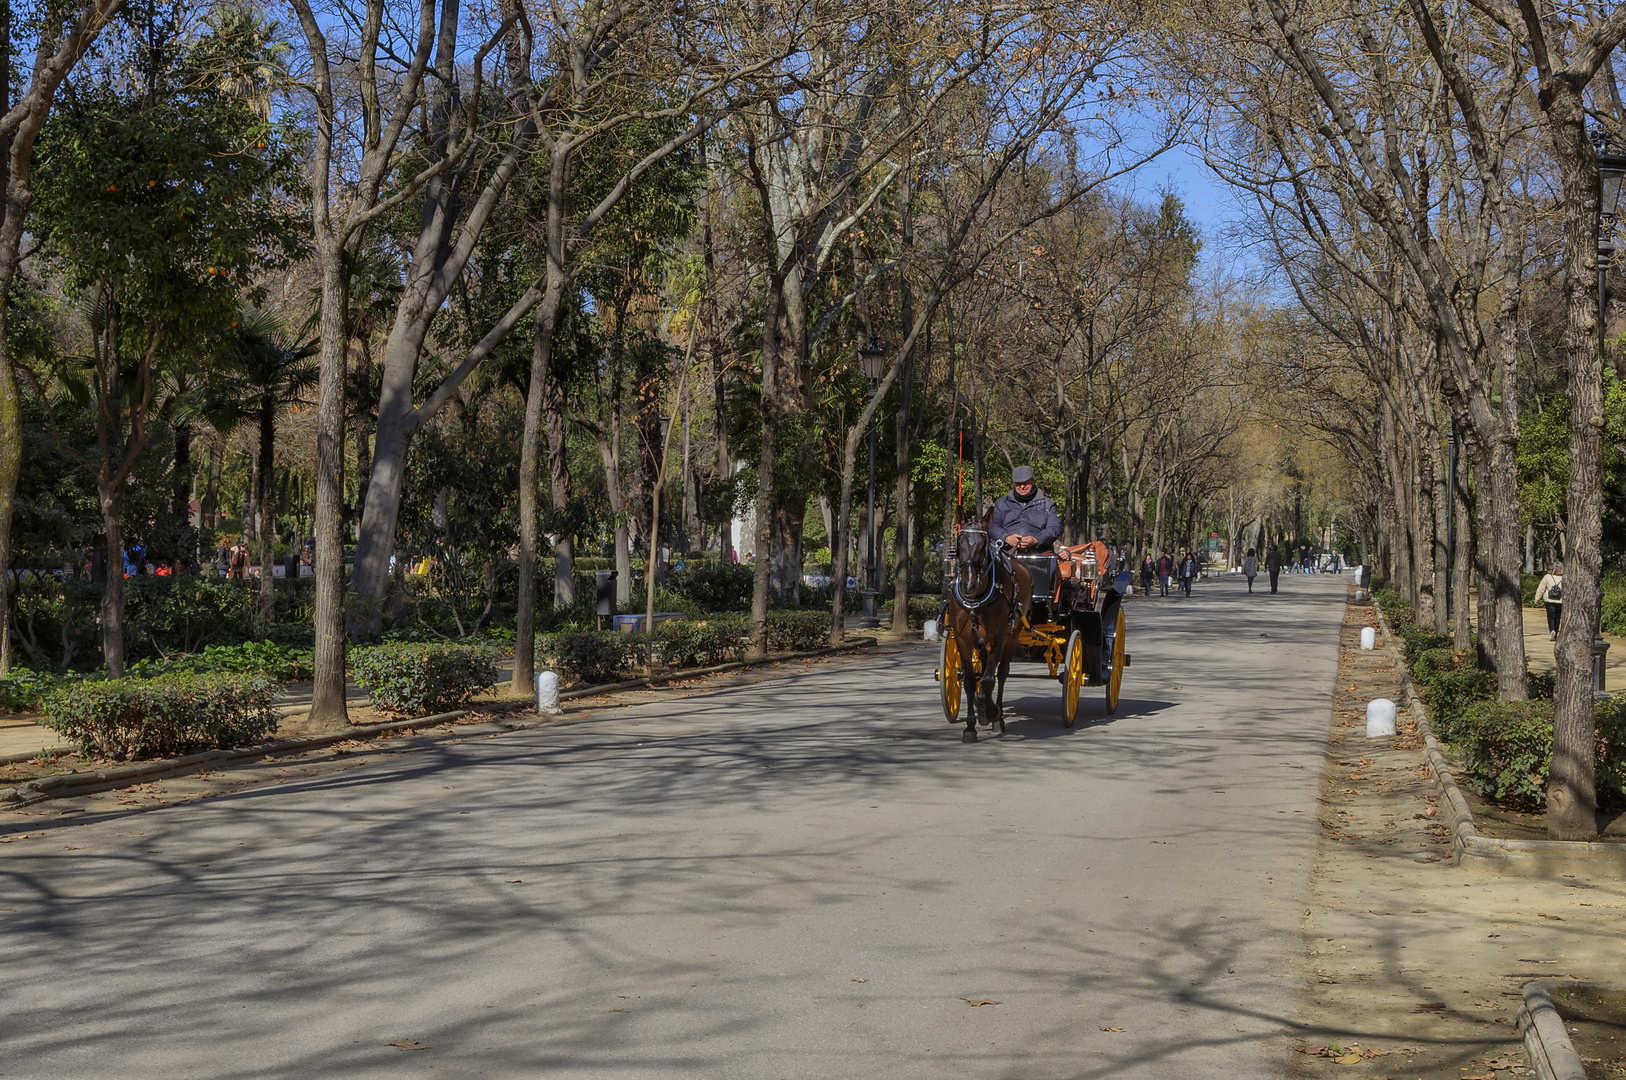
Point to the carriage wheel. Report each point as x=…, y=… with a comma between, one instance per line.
x=1116, y=677
x=1073, y=678
x=949, y=677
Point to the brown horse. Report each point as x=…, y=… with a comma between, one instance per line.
x=988, y=597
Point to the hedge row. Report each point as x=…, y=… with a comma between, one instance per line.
x=165, y=716
x=1505, y=747
x=595, y=657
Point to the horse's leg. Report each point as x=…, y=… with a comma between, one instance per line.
x=966, y=680
x=1004, y=673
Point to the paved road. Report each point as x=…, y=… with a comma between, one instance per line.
x=803, y=878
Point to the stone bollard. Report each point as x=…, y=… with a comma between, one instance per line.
x=1380, y=718
x=547, y=693
x=931, y=630
x=1369, y=638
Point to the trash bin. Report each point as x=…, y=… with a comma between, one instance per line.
x=604, y=592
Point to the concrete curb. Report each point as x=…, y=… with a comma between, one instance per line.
x=1546, y=1040
x=1492, y=855
x=65, y=784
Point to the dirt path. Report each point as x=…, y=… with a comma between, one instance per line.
x=1410, y=958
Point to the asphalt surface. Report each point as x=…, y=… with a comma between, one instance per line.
x=807, y=877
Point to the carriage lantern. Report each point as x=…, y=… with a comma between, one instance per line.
x=873, y=356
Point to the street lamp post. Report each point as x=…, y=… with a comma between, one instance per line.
x=1611, y=171
x=872, y=354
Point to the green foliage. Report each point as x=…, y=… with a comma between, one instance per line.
x=416, y=679
x=168, y=615
x=1414, y=642
x=174, y=714
x=721, y=587
x=686, y=643
x=22, y=689
x=921, y=608
x=1507, y=749
x=1614, y=602
x=798, y=631
x=1450, y=684
x=594, y=656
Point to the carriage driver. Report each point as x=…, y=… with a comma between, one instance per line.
x=1026, y=519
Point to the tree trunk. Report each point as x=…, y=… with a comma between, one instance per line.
x=327, y=695
x=364, y=426
x=268, y=421
x=1571, y=786
x=111, y=498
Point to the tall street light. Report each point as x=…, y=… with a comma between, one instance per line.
x=873, y=357
x=1611, y=171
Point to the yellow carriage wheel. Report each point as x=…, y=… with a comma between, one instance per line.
x=949, y=676
x=1074, y=680
x=1117, y=676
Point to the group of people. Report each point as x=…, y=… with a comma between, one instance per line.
x=1181, y=570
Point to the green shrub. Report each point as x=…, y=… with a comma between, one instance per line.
x=798, y=631
x=1450, y=683
x=1414, y=642
x=1614, y=602
x=1394, y=608
x=1541, y=684
x=23, y=689
x=417, y=679
x=173, y=714
x=167, y=615
x=1507, y=748
x=711, y=588
x=688, y=643
x=1527, y=588
x=594, y=656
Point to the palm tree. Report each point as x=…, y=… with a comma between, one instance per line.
x=266, y=369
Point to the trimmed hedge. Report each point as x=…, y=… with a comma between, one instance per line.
x=594, y=656
x=163, y=717
x=798, y=631
x=1507, y=748
x=416, y=679
x=685, y=643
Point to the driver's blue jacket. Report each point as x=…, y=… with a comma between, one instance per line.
x=1037, y=517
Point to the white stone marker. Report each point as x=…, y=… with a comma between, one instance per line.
x=1380, y=718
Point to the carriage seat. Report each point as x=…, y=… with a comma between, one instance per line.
x=1044, y=569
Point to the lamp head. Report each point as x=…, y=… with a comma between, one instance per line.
x=1611, y=171
x=872, y=354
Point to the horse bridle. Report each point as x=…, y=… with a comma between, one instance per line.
x=993, y=576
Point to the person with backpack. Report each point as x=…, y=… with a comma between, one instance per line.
x=1165, y=570
x=1551, y=594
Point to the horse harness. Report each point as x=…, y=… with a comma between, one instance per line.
x=997, y=559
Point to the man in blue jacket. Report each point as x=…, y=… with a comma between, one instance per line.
x=1026, y=519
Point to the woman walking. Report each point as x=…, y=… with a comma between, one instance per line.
x=1551, y=593
x=1148, y=570
x=1188, y=571
x=1250, y=567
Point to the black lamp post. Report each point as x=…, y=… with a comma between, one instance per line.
x=873, y=357
x=1611, y=171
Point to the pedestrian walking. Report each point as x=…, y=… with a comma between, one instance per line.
x=1188, y=571
x=1250, y=567
x=1165, y=570
x=1273, y=566
x=1148, y=570
x=239, y=560
x=1551, y=594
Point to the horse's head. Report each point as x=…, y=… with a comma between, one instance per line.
x=974, y=555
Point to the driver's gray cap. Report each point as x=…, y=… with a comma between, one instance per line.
x=1021, y=475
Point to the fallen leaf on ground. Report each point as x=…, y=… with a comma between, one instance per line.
x=974, y=1002
x=1552, y=918
x=1116, y=1028
x=515, y=881
x=1430, y=1006
x=407, y=1044
x=860, y=980
x=1506, y=1063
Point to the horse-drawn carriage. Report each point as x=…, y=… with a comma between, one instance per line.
x=1061, y=609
